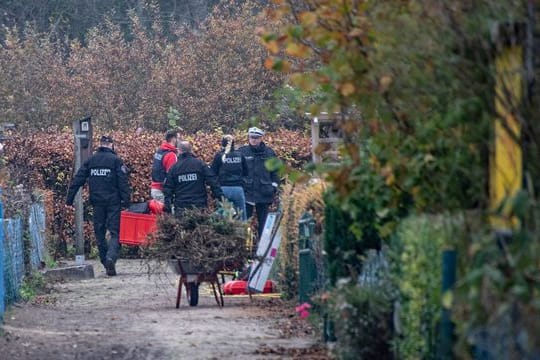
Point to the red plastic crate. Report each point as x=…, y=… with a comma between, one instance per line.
x=239, y=287
x=134, y=228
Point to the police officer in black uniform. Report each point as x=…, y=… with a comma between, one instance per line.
x=260, y=185
x=109, y=192
x=230, y=167
x=185, y=185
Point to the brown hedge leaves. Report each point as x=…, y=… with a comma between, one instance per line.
x=45, y=161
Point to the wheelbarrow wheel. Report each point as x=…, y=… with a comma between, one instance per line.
x=193, y=294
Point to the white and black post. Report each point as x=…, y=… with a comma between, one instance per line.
x=82, y=130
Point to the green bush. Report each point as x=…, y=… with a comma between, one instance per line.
x=363, y=321
x=344, y=246
x=416, y=255
x=496, y=302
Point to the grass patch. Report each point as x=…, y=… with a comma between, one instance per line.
x=32, y=285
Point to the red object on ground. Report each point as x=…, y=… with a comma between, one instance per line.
x=155, y=207
x=239, y=287
x=134, y=228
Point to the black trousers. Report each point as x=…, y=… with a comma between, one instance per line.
x=262, y=212
x=107, y=218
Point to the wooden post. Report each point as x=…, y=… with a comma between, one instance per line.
x=82, y=130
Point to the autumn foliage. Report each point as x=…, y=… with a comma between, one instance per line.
x=45, y=161
x=213, y=76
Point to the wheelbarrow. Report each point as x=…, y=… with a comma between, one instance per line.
x=191, y=277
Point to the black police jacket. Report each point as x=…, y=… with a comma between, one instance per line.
x=107, y=179
x=158, y=170
x=231, y=170
x=258, y=185
x=185, y=185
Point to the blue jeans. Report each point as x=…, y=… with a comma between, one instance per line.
x=235, y=194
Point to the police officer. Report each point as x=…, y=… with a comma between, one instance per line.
x=260, y=185
x=185, y=185
x=109, y=192
x=164, y=159
x=230, y=167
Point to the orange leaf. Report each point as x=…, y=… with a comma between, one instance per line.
x=298, y=50
x=272, y=46
x=347, y=89
x=268, y=63
x=384, y=83
x=391, y=179
x=308, y=18
x=356, y=32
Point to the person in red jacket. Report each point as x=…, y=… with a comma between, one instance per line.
x=164, y=158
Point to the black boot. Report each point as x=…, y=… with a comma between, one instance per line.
x=110, y=268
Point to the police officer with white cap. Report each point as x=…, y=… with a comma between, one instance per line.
x=260, y=185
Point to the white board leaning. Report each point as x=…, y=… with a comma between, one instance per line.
x=267, y=251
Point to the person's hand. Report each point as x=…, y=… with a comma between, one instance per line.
x=276, y=189
x=276, y=196
x=68, y=206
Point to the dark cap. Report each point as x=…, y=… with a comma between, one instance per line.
x=171, y=134
x=106, y=139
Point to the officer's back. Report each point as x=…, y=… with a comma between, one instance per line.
x=107, y=178
x=103, y=180
x=186, y=181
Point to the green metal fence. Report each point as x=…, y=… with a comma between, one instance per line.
x=307, y=262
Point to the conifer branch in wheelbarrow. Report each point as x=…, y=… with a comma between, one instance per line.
x=209, y=241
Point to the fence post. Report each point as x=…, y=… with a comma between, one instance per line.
x=2, y=261
x=449, y=259
x=306, y=263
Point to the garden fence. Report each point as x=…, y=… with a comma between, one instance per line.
x=13, y=266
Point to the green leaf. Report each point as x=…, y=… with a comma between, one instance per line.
x=274, y=164
x=382, y=213
x=296, y=31
x=269, y=37
x=519, y=290
x=447, y=299
x=520, y=204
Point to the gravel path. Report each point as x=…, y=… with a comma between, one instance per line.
x=133, y=316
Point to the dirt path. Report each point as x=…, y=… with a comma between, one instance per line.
x=133, y=316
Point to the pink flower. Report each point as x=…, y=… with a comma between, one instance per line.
x=302, y=310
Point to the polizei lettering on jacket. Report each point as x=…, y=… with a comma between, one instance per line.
x=100, y=172
x=233, y=160
x=187, y=177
